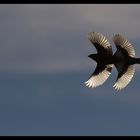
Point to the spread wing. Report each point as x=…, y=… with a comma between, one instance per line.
x=99, y=76
x=124, y=45
x=100, y=42
x=125, y=71
x=125, y=75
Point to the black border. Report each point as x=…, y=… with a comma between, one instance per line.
x=69, y=2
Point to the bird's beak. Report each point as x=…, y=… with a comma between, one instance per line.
x=89, y=56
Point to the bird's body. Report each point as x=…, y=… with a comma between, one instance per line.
x=116, y=58
x=123, y=59
x=104, y=59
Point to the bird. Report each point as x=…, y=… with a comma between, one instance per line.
x=123, y=59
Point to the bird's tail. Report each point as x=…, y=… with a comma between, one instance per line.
x=137, y=60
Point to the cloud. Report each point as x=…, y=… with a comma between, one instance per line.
x=51, y=38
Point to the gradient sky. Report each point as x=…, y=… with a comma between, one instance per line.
x=44, y=64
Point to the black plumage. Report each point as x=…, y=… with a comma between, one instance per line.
x=123, y=59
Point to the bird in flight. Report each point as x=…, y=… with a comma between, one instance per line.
x=123, y=59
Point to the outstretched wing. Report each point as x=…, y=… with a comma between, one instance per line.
x=99, y=76
x=125, y=71
x=125, y=75
x=100, y=42
x=124, y=45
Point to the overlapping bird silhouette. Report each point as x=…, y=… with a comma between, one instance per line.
x=123, y=59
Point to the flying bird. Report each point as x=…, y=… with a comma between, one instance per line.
x=123, y=59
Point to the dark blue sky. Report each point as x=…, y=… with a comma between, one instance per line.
x=44, y=64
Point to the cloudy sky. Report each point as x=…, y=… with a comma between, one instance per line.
x=44, y=64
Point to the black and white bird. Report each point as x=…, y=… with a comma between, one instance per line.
x=123, y=59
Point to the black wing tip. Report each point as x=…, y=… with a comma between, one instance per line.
x=88, y=35
x=93, y=33
x=118, y=37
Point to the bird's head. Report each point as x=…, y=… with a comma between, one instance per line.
x=93, y=56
